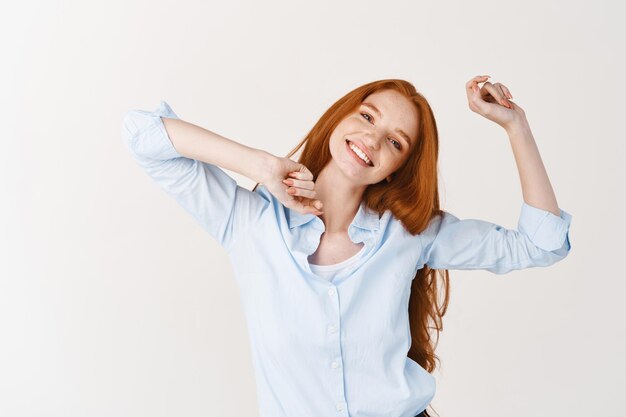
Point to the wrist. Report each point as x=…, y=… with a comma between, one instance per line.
x=518, y=126
x=265, y=171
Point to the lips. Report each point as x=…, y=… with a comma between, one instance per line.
x=348, y=142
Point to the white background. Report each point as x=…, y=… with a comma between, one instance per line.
x=113, y=302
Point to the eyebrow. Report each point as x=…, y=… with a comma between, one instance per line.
x=400, y=131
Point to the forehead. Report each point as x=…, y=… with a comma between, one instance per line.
x=398, y=112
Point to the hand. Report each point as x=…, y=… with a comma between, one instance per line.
x=493, y=101
x=295, y=192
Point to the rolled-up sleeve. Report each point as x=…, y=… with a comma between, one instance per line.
x=541, y=239
x=214, y=199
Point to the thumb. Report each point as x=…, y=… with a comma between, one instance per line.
x=306, y=170
x=294, y=165
x=302, y=169
x=478, y=100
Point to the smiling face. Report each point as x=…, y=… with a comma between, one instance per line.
x=376, y=127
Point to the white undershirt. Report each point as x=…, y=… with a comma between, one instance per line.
x=329, y=271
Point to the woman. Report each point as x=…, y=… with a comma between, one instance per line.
x=342, y=257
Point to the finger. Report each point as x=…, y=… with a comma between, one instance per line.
x=318, y=204
x=505, y=99
x=294, y=203
x=471, y=87
x=506, y=90
x=485, y=94
x=476, y=102
x=300, y=175
x=301, y=192
x=313, y=210
x=297, y=204
x=489, y=92
x=308, y=185
x=303, y=173
x=312, y=206
x=471, y=84
x=474, y=81
x=305, y=209
x=496, y=94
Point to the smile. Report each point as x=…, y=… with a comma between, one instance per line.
x=359, y=155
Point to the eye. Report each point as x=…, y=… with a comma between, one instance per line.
x=397, y=145
x=369, y=118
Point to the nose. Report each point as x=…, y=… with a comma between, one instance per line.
x=372, y=141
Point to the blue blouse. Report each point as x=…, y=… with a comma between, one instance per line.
x=336, y=348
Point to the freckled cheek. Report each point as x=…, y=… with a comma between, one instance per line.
x=351, y=125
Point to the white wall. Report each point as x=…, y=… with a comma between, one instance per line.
x=113, y=302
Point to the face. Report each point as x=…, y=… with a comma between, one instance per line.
x=375, y=128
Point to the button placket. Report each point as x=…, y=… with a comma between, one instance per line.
x=336, y=364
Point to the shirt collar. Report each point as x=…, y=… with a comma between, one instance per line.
x=365, y=218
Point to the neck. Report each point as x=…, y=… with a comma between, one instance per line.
x=341, y=198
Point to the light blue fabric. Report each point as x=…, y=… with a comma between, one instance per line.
x=337, y=348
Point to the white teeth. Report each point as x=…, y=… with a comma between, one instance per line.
x=359, y=152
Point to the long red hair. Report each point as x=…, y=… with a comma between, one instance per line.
x=412, y=196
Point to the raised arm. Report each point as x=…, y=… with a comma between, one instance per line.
x=195, y=142
x=542, y=234
x=185, y=161
x=493, y=102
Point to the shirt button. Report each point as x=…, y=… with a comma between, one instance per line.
x=339, y=407
x=335, y=365
x=331, y=291
x=332, y=329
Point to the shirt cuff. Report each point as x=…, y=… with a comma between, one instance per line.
x=545, y=230
x=146, y=134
